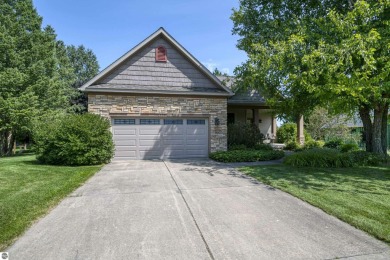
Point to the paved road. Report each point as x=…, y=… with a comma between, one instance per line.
x=188, y=210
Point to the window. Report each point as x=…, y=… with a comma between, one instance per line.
x=124, y=121
x=161, y=54
x=149, y=121
x=173, y=121
x=196, y=122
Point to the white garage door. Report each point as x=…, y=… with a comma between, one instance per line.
x=150, y=138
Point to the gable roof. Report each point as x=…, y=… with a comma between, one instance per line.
x=249, y=96
x=97, y=84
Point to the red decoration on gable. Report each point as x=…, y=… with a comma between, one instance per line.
x=161, y=54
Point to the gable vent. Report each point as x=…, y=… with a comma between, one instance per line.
x=161, y=54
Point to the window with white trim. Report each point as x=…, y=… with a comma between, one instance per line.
x=196, y=122
x=149, y=121
x=121, y=121
x=173, y=121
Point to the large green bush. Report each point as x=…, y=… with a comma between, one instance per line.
x=292, y=146
x=325, y=158
x=244, y=134
x=246, y=155
x=313, y=144
x=73, y=140
x=334, y=143
x=322, y=158
x=287, y=133
x=349, y=147
x=364, y=158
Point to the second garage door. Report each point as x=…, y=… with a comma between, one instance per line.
x=151, y=138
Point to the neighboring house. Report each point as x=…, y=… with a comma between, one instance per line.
x=163, y=103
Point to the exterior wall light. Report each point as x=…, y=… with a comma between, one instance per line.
x=217, y=121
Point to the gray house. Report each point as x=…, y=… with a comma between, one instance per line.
x=163, y=103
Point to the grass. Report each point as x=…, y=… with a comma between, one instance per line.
x=359, y=196
x=29, y=190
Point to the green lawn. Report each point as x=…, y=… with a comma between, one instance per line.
x=28, y=190
x=358, y=196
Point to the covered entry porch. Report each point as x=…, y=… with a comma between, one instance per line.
x=261, y=116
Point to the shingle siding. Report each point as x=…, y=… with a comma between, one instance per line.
x=142, y=69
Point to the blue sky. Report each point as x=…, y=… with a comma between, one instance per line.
x=111, y=28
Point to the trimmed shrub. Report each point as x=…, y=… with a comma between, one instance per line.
x=323, y=158
x=333, y=143
x=349, y=147
x=74, y=140
x=246, y=155
x=292, y=146
x=244, y=134
x=364, y=158
x=313, y=144
x=264, y=147
x=288, y=133
x=238, y=147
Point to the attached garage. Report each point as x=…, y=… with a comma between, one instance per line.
x=155, y=138
x=161, y=102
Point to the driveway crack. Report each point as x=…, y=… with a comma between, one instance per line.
x=191, y=213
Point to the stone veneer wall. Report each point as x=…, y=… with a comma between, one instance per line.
x=163, y=106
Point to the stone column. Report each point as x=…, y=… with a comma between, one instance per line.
x=300, y=134
x=273, y=129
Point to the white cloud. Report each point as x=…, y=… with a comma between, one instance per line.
x=225, y=70
x=211, y=65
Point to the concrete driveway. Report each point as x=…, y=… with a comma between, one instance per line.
x=186, y=209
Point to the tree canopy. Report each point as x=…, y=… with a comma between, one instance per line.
x=303, y=54
x=37, y=72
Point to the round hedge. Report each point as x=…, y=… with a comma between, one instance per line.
x=288, y=133
x=74, y=140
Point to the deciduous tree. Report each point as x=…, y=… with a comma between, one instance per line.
x=321, y=52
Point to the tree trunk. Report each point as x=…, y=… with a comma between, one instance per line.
x=378, y=139
x=1, y=144
x=10, y=143
x=6, y=143
x=364, y=112
x=384, y=128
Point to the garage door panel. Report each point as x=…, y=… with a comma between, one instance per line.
x=173, y=130
x=125, y=137
x=174, y=137
x=149, y=131
x=124, y=131
x=125, y=148
x=150, y=143
x=149, y=137
x=125, y=142
x=196, y=142
x=173, y=142
x=200, y=130
x=174, y=148
x=127, y=154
